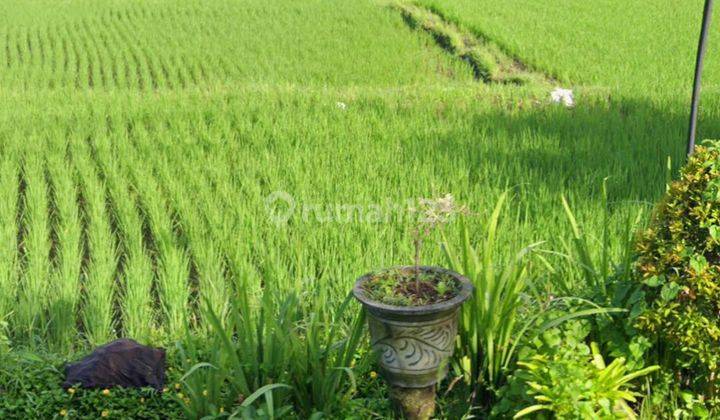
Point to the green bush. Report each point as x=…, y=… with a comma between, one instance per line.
x=560, y=376
x=679, y=266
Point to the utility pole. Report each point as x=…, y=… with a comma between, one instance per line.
x=702, y=46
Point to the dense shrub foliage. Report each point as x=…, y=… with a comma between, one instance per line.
x=679, y=264
x=562, y=375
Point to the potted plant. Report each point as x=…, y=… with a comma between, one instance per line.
x=412, y=316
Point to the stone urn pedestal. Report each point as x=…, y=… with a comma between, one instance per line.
x=414, y=343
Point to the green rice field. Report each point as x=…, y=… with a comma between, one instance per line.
x=146, y=148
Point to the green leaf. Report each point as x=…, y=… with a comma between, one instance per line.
x=262, y=391
x=195, y=368
x=698, y=263
x=699, y=411
x=531, y=409
x=585, y=312
x=715, y=232
x=655, y=281
x=670, y=291
x=687, y=397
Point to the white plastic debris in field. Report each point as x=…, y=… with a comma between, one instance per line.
x=341, y=105
x=563, y=96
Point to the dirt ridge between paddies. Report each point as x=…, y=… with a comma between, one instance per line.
x=488, y=61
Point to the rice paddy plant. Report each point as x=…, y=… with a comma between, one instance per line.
x=173, y=274
x=138, y=315
x=96, y=75
x=229, y=165
x=70, y=58
x=9, y=182
x=34, y=289
x=206, y=254
x=173, y=265
x=66, y=276
x=125, y=62
x=116, y=74
x=99, y=285
x=83, y=67
x=214, y=226
x=100, y=38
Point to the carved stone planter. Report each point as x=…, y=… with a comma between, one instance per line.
x=414, y=343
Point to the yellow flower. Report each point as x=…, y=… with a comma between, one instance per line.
x=165, y=390
x=63, y=412
x=71, y=391
x=373, y=374
x=104, y=413
x=106, y=392
x=222, y=409
x=180, y=395
x=142, y=400
x=177, y=386
x=205, y=393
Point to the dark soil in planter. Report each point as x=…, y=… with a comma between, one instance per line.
x=399, y=287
